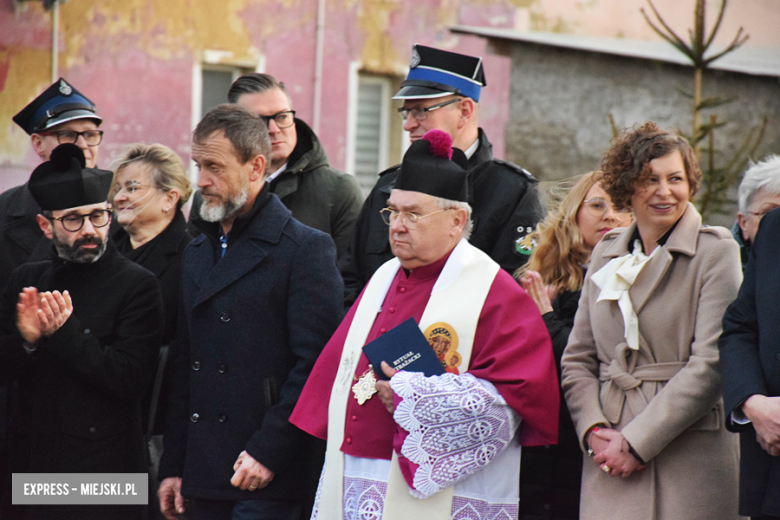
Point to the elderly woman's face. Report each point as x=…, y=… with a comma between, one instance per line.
x=137, y=202
x=661, y=203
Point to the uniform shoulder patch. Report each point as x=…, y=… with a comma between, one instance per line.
x=524, y=240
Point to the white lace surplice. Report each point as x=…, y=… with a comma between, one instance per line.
x=461, y=431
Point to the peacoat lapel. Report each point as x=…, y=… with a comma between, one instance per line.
x=261, y=235
x=682, y=240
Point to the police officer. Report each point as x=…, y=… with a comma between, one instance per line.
x=442, y=91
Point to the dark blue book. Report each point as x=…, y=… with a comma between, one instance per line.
x=404, y=348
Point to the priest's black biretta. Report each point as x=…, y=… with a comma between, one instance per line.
x=65, y=182
x=426, y=168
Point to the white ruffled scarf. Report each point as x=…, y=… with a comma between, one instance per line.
x=615, y=279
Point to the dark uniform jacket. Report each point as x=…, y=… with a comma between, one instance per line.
x=79, y=392
x=506, y=206
x=252, y=324
x=317, y=195
x=750, y=364
x=20, y=235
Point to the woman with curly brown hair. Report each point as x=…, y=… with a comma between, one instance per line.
x=550, y=475
x=640, y=371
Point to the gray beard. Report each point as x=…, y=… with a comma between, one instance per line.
x=79, y=256
x=220, y=212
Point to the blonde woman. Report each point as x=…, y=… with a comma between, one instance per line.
x=553, y=278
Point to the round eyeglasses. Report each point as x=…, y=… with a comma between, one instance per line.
x=282, y=119
x=75, y=221
x=410, y=220
x=91, y=137
x=421, y=113
x=597, y=207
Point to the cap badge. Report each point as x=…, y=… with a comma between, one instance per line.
x=65, y=89
x=415, y=58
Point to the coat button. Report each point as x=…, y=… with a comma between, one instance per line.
x=222, y=417
x=92, y=429
x=195, y=417
x=382, y=330
x=222, y=368
x=196, y=365
x=225, y=317
x=392, y=310
x=87, y=331
x=349, y=440
x=354, y=417
x=403, y=289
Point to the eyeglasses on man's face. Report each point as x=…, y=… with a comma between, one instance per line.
x=421, y=113
x=410, y=220
x=91, y=137
x=598, y=207
x=282, y=119
x=75, y=221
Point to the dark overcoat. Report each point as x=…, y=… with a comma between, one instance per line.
x=506, y=206
x=79, y=392
x=251, y=327
x=21, y=239
x=750, y=364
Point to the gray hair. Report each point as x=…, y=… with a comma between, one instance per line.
x=247, y=132
x=456, y=204
x=763, y=175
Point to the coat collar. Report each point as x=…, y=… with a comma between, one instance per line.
x=683, y=239
x=307, y=155
x=214, y=274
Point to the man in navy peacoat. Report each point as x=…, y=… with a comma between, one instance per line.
x=750, y=363
x=261, y=295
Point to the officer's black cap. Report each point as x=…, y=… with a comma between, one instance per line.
x=59, y=103
x=436, y=73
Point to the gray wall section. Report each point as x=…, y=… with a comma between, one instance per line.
x=561, y=99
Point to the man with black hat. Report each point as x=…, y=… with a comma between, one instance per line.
x=432, y=447
x=442, y=91
x=61, y=114
x=79, y=334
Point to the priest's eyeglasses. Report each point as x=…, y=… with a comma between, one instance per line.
x=410, y=220
x=597, y=207
x=75, y=221
x=282, y=119
x=91, y=137
x=421, y=113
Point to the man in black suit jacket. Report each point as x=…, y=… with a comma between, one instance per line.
x=750, y=363
x=261, y=295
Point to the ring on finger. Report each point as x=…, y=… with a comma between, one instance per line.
x=605, y=468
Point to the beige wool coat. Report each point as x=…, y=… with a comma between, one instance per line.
x=665, y=398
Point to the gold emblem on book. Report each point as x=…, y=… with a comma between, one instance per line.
x=366, y=386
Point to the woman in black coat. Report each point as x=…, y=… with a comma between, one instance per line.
x=150, y=188
x=550, y=475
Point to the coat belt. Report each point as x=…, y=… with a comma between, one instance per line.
x=623, y=381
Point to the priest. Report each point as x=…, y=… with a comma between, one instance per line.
x=441, y=446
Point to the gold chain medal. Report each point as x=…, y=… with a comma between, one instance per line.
x=365, y=387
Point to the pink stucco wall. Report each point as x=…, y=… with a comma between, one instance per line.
x=135, y=58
